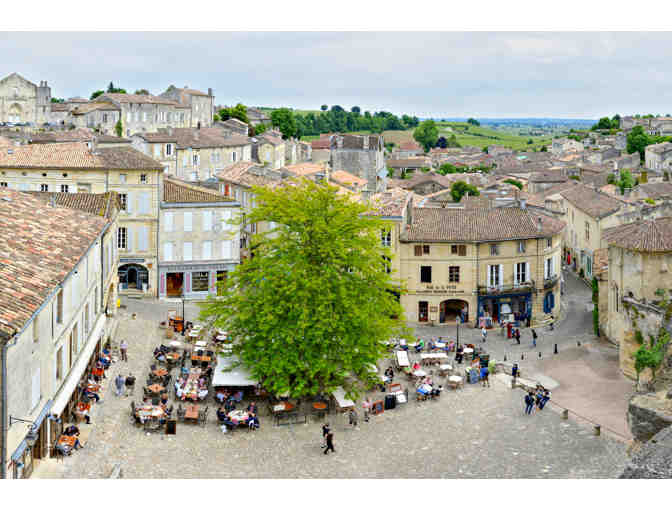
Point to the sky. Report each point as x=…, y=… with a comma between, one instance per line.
x=428, y=74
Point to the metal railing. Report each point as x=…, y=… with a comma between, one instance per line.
x=504, y=289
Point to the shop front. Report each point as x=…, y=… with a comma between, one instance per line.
x=438, y=304
x=133, y=276
x=505, y=307
x=192, y=281
x=34, y=447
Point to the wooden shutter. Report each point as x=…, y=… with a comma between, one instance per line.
x=167, y=251
x=143, y=238
x=207, y=250
x=144, y=202
x=129, y=202
x=187, y=222
x=226, y=250
x=207, y=221
x=187, y=251
x=168, y=222
x=418, y=250
x=501, y=275
x=528, y=275
x=129, y=238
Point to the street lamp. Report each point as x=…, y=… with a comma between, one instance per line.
x=457, y=324
x=184, y=319
x=31, y=437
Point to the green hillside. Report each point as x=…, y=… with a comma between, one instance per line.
x=480, y=136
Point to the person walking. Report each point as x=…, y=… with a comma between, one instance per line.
x=353, y=417
x=325, y=431
x=130, y=384
x=517, y=335
x=550, y=327
x=330, y=443
x=367, y=409
x=485, y=376
x=534, y=338
x=484, y=334
x=529, y=402
x=119, y=384
x=123, y=347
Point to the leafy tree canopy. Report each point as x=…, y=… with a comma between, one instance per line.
x=111, y=89
x=461, y=188
x=355, y=109
x=57, y=100
x=607, y=123
x=234, y=112
x=324, y=107
x=426, y=134
x=143, y=92
x=514, y=182
x=625, y=181
x=473, y=122
x=118, y=128
x=97, y=93
x=310, y=310
x=284, y=120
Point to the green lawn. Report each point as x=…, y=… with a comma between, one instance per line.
x=479, y=136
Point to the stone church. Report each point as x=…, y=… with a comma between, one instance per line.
x=23, y=101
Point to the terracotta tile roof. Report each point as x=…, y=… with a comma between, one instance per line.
x=410, y=146
x=391, y=202
x=59, y=107
x=75, y=135
x=106, y=205
x=652, y=236
x=655, y=190
x=409, y=163
x=273, y=140
x=479, y=224
x=659, y=147
x=40, y=246
x=546, y=177
x=135, y=99
x=122, y=158
x=307, y=168
x=177, y=191
x=595, y=204
x=239, y=173
x=425, y=177
x=95, y=105
x=235, y=123
x=322, y=143
x=343, y=177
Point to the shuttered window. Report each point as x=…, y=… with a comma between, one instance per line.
x=187, y=222
x=167, y=251
x=168, y=222
x=207, y=221
x=144, y=202
x=186, y=251
x=143, y=238
x=207, y=250
x=227, y=251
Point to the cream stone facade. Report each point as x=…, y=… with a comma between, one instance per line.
x=73, y=167
x=199, y=244
x=22, y=101
x=269, y=149
x=50, y=352
x=640, y=269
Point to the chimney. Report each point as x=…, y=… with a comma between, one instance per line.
x=186, y=86
x=210, y=92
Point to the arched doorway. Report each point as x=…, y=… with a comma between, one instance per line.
x=450, y=309
x=15, y=113
x=133, y=276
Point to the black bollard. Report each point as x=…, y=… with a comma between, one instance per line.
x=555, y=349
x=522, y=356
x=578, y=343
x=540, y=354
x=505, y=357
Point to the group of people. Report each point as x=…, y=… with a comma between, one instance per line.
x=121, y=382
x=186, y=387
x=64, y=448
x=251, y=418
x=536, y=399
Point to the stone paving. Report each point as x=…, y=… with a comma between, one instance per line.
x=471, y=433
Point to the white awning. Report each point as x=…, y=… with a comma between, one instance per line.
x=339, y=395
x=75, y=374
x=239, y=376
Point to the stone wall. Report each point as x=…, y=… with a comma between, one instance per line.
x=654, y=460
x=362, y=163
x=648, y=414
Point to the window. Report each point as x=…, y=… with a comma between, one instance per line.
x=199, y=281
x=521, y=246
x=3, y=185
x=59, y=363
x=495, y=275
x=549, y=242
x=522, y=272
x=587, y=227
x=169, y=149
x=187, y=221
x=186, y=251
x=423, y=309
x=167, y=251
x=122, y=178
x=207, y=221
x=168, y=117
x=143, y=178
x=494, y=249
x=454, y=274
x=386, y=237
x=194, y=176
x=73, y=340
x=86, y=319
x=616, y=297
x=197, y=159
x=144, y=116
x=221, y=282
x=44, y=187
x=207, y=250
x=59, y=307
x=137, y=116
x=387, y=264
x=233, y=156
x=104, y=118
x=123, y=198
x=227, y=250
x=425, y=249
x=143, y=238
x=548, y=268
x=64, y=188
x=421, y=249
x=425, y=274
x=168, y=222
x=122, y=238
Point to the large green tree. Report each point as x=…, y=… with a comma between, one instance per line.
x=637, y=140
x=284, y=120
x=310, y=311
x=234, y=112
x=461, y=188
x=426, y=134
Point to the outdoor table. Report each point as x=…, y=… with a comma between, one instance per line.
x=93, y=387
x=191, y=412
x=201, y=343
x=201, y=358
x=402, y=359
x=149, y=411
x=468, y=350
x=319, y=406
x=239, y=416
x=173, y=356
x=155, y=388
x=455, y=381
x=282, y=407
x=419, y=373
x=440, y=345
x=160, y=372
x=444, y=369
x=175, y=343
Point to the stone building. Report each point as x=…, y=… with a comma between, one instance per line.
x=100, y=115
x=627, y=161
x=269, y=149
x=640, y=271
x=85, y=135
x=233, y=127
x=59, y=264
x=426, y=183
x=658, y=156
x=408, y=150
x=600, y=155
x=74, y=168
x=363, y=156
x=198, y=247
x=587, y=213
x=201, y=106
x=401, y=166
x=561, y=145
x=22, y=101
x=541, y=181
x=194, y=154
x=256, y=116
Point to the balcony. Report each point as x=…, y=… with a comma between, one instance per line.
x=484, y=290
x=551, y=281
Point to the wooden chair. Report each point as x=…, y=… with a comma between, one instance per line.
x=180, y=413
